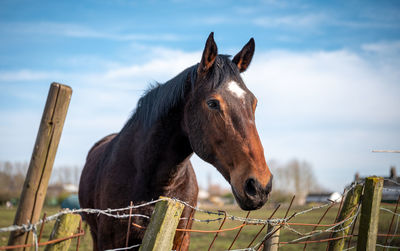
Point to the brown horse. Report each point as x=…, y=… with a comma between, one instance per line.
x=206, y=109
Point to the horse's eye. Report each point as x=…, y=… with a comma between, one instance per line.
x=213, y=104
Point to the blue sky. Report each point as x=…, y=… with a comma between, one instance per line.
x=325, y=73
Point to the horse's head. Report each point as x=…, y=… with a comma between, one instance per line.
x=219, y=121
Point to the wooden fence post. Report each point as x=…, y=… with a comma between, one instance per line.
x=65, y=226
x=271, y=244
x=41, y=164
x=349, y=209
x=369, y=219
x=161, y=230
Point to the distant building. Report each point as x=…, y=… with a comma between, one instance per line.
x=323, y=197
x=215, y=195
x=71, y=202
x=56, y=193
x=391, y=189
x=55, y=190
x=203, y=195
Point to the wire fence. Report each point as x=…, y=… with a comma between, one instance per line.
x=320, y=233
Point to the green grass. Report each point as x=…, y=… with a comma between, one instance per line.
x=7, y=218
x=201, y=241
x=224, y=240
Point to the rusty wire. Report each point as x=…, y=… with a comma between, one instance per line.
x=282, y=222
x=332, y=239
x=238, y=233
x=322, y=225
x=270, y=234
x=78, y=240
x=337, y=215
x=315, y=241
x=262, y=228
x=199, y=231
x=352, y=231
x=331, y=229
x=319, y=221
x=388, y=235
x=186, y=227
x=391, y=222
x=43, y=243
x=129, y=225
x=41, y=227
x=216, y=234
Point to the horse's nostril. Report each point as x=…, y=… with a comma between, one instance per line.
x=250, y=187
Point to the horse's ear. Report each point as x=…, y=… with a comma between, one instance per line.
x=243, y=58
x=209, y=54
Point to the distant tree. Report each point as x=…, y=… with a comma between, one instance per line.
x=66, y=174
x=12, y=177
x=294, y=177
x=77, y=174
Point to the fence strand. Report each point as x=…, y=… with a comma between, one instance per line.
x=125, y=248
x=220, y=215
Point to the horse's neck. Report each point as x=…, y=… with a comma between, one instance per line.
x=160, y=152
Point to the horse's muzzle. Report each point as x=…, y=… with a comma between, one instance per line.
x=255, y=195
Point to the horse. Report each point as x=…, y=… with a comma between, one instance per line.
x=206, y=109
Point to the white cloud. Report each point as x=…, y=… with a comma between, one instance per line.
x=81, y=31
x=303, y=20
x=214, y=20
x=384, y=47
x=324, y=19
x=331, y=87
x=26, y=75
x=168, y=63
x=329, y=108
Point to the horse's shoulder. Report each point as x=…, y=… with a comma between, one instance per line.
x=101, y=142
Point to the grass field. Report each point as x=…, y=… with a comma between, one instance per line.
x=201, y=241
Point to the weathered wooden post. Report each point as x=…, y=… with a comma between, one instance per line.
x=349, y=209
x=271, y=244
x=41, y=164
x=65, y=226
x=371, y=202
x=161, y=230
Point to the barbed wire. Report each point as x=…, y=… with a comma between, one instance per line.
x=317, y=232
x=29, y=227
x=389, y=211
x=126, y=248
x=109, y=212
x=332, y=229
x=348, y=248
x=282, y=222
x=328, y=230
x=389, y=247
x=394, y=214
x=267, y=235
x=396, y=228
x=35, y=238
x=392, y=181
x=241, y=249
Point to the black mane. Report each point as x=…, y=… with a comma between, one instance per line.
x=160, y=98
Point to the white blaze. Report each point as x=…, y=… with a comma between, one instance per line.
x=236, y=90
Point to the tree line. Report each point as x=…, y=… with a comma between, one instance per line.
x=293, y=177
x=12, y=177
